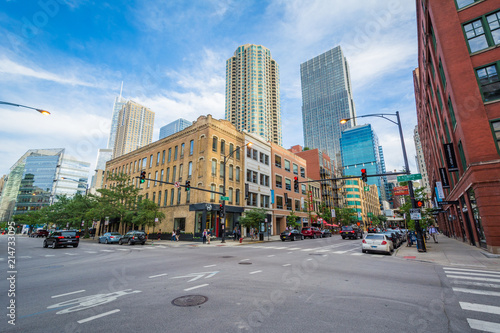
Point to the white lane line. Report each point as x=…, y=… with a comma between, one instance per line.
x=476, y=284
x=294, y=248
x=70, y=254
x=377, y=256
x=309, y=259
x=356, y=254
x=483, y=326
x=107, y=251
x=97, y=316
x=122, y=249
x=244, y=259
x=321, y=251
x=470, y=270
x=196, y=287
x=271, y=255
x=480, y=307
x=307, y=250
x=280, y=248
x=340, y=252
x=71, y=293
x=255, y=272
x=287, y=265
x=476, y=291
x=209, y=266
x=50, y=255
x=2, y=259
x=473, y=274
x=153, y=276
x=472, y=278
x=24, y=257
x=91, y=251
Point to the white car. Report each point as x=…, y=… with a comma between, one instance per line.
x=377, y=243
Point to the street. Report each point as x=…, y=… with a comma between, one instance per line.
x=323, y=285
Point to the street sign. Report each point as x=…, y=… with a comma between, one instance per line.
x=177, y=185
x=448, y=202
x=415, y=214
x=224, y=198
x=156, y=220
x=367, y=188
x=405, y=178
x=400, y=190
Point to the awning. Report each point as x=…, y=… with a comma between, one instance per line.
x=334, y=225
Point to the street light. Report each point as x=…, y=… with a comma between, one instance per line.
x=407, y=167
x=223, y=217
x=44, y=112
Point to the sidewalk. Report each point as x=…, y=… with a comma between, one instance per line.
x=451, y=252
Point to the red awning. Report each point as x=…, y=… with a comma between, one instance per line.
x=334, y=225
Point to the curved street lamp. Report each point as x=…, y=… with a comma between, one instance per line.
x=44, y=112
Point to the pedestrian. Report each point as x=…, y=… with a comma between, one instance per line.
x=159, y=234
x=251, y=233
x=209, y=235
x=204, y=237
x=178, y=233
x=238, y=233
x=234, y=234
x=173, y=236
x=433, y=232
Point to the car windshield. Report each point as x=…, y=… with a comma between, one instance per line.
x=305, y=229
x=346, y=228
x=381, y=237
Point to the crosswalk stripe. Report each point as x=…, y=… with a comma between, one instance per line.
x=280, y=248
x=107, y=251
x=484, y=326
x=321, y=251
x=307, y=250
x=480, y=307
x=476, y=284
x=340, y=252
x=356, y=254
x=294, y=248
x=470, y=270
x=473, y=274
x=476, y=291
x=472, y=278
x=90, y=251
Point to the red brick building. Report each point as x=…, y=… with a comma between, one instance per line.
x=457, y=89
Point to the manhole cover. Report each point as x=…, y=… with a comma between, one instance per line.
x=245, y=263
x=189, y=300
x=227, y=257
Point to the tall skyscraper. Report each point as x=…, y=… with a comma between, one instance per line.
x=117, y=106
x=253, y=92
x=360, y=150
x=326, y=100
x=422, y=169
x=174, y=127
x=135, y=128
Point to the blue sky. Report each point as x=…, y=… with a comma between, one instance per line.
x=70, y=57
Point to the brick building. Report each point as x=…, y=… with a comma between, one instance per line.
x=457, y=91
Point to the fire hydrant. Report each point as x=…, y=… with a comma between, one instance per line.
x=241, y=240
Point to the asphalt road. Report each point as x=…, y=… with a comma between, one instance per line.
x=320, y=285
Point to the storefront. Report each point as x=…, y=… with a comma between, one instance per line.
x=207, y=216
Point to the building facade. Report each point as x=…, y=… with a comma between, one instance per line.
x=174, y=127
x=253, y=92
x=422, y=169
x=135, y=128
x=326, y=100
x=117, y=106
x=458, y=108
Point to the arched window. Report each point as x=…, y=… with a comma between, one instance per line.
x=214, y=144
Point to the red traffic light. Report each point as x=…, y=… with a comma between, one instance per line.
x=363, y=170
x=419, y=203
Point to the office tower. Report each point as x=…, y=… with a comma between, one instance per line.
x=103, y=155
x=422, y=169
x=117, y=106
x=135, y=128
x=457, y=90
x=174, y=127
x=326, y=100
x=38, y=177
x=385, y=191
x=253, y=92
x=360, y=150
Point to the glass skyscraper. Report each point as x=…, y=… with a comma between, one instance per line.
x=361, y=150
x=174, y=127
x=326, y=99
x=253, y=92
x=117, y=106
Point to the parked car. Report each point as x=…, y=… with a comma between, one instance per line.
x=292, y=235
x=311, y=232
x=372, y=230
x=39, y=233
x=326, y=233
x=133, y=237
x=62, y=238
x=351, y=232
x=393, y=237
x=110, y=237
x=377, y=243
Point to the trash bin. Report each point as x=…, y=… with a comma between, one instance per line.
x=261, y=236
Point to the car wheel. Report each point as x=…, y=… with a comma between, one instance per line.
x=76, y=245
x=54, y=245
x=129, y=242
x=364, y=251
x=314, y=236
x=45, y=244
x=343, y=237
x=143, y=243
x=99, y=240
x=120, y=242
x=106, y=241
x=282, y=240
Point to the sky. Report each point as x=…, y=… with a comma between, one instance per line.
x=70, y=57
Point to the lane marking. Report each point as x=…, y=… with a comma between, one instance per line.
x=307, y=250
x=255, y=272
x=161, y=247
x=309, y=259
x=472, y=278
x=340, y=252
x=107, y=251
x=478, y=284
x=321, y=251
x=24, y=257
x=97, y=316
x=196, y=287
x=476, y=291
x=294, y=248
x=153, y=276
x=70, y=254
x=209, y=266
x=122, y=249
x=91, y=251
x=71, y=293
x=357, y=254
x=280, y=248
x=480, y=307
x=50, y=255
x=271, y=255
x=470, y=270
x=244, y=259
x=484, y=326
x=287, y=265
x=473, y=274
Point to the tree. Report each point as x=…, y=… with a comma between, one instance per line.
x=253, y=217
x=146, y=213
x=292, y=220
x=345, y=215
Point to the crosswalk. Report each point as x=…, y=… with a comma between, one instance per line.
x=331, y=249
x=478, y=292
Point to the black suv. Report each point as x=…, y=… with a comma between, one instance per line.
x=133, y=237
x=351, y=232
x=62, y=238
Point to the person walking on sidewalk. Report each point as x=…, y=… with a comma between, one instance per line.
x=204, y=236
x=177, y=234
x=173, y=236
x=159, y=234
x=209, y=235
x=433, y=232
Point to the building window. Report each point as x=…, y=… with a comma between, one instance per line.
x=174, y=171
x=255, y=154
x=212, y=194
x=277, y=161
x=237, y=174
x=279, y=181
x=237, y=153
x=221, y=169
x=452, y=113
x=303, y=172
x=161, y=176
x=165, y=199
x=475, y=35
x=264, y=201
x=279, y=202
x=462, y=155
x=158, y=158
x=144, y=162
x=154, y=197
x=252, y=199
x=172, y=197
x=182, y=150
x=237, y=197
x=191, y=147
x=175, y=153
x=494, y=25
x=179, y=193
x=188, y=197
x=303, y=187
x=156, y=178
x=489, y=84
x=264, y=180
x=169, y=154
x=214, y=144
x=297, y=205
x=495, y=128
x=149, y=177
x=287, y=165
x=180, y=172
x=151, y=161
x=190, y=169
x=441, y=73
x=295, y=169
x=462, y=3
x=231, y=172
x=230, y=195
x=163, y=158
x=214, y=168
x=222, y=147
x=231, y=149
x=288, y=184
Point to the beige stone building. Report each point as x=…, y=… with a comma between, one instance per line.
x=195, y=154
x=134, y=129
x=363, y=199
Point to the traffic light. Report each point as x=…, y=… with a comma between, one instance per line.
x=188, y=185
x=296, y=183
x=363, y=175
x=419, y=204
x=143, y=177
x=221, y=207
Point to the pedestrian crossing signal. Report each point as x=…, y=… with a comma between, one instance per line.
x=419, y=204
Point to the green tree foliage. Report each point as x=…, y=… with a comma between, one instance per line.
x=293, y=220
x=345, y=216
x=146, y=213
x=253, y=217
